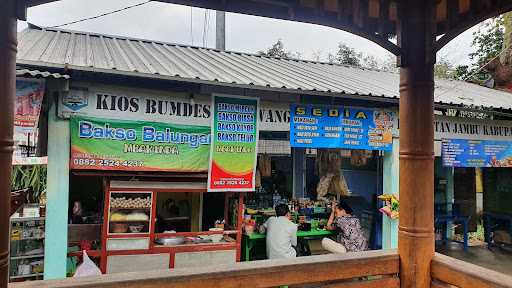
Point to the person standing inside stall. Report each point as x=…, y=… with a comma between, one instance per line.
x=350, y=235
x=281, y=234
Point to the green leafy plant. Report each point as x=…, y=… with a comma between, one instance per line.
x=33, y=177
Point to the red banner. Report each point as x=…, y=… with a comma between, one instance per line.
x=29, y=98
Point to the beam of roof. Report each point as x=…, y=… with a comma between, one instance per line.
x=335, y=15
x=32, y=3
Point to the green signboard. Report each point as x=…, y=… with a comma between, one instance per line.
x=102, y=144
x=234, y=144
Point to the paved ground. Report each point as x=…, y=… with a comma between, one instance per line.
x=495, y=259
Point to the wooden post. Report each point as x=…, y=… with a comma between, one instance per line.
x=416, y=227
x=7, y=89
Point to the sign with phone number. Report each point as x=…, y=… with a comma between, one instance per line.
x=107, y=163
x=320, y=126
x=476, y=153
x=102, y=144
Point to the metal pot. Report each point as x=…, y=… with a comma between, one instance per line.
x=170, y=241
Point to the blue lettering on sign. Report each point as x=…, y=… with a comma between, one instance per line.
x=85, y=129
x=89, y=130
x=150, y=134
x=321, y=126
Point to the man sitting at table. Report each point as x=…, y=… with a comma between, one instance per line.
x=281, y=234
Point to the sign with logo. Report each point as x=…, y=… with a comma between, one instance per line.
x=75, y=99
x=154, y=106
x=476, y=153
x=29, y=98
x=102, y=144
x=315, y=126
x=234, y=145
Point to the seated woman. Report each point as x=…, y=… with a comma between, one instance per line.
x=350, y=235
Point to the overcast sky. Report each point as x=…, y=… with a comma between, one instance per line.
x=172, y=23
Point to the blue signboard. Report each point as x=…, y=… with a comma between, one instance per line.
x=476, y=153
x=318, y=126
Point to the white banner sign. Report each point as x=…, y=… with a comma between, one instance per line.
x=180, y=108
x=467, y=128
x=30, y=160
x=177, y=108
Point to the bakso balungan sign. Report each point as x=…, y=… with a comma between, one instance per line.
x=102, y=144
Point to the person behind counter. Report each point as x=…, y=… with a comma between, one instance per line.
x=350, y=237
x=77, y=213
x=281, y=234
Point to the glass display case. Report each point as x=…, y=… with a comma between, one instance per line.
x=130, y=220
x=27, y=248
x=130, y=212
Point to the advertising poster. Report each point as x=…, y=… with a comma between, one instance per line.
x=234, y=144
x=476, y=153
x=318, y=126
x=29, y=98
x=102, y=144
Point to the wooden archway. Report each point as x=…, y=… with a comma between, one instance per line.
x=416, y=24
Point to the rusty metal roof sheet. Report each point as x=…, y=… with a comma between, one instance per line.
x=145, y=58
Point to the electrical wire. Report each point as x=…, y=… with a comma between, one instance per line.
x=101, y=15
x=208, y=19
x=191, y=26
x=204, y=26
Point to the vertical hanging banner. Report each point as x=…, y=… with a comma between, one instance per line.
x=234, y=144
x=28, y=101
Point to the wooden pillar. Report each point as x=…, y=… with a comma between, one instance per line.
x=416, y=224
x=7, y=89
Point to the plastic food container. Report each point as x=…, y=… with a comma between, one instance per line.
x=136, y=228
x=170, y=240
x=119, y=228
x=216, y=237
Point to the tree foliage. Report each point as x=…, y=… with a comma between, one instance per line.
x=443, y=68
x=345, y=55
x=348, y=56
x=488, y=41
x=277, y=50
x=33, y=177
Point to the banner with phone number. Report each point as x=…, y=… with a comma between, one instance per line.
x=320, y=126
x=476, y=153
x=234, y=145
x=101, y=144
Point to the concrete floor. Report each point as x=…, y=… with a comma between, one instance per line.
x=495, y=259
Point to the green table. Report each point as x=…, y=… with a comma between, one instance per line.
x=251, y=240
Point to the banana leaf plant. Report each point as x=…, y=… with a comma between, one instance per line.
x=32, y=177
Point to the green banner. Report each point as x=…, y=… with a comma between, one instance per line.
x=234, y=144
x=102, y=144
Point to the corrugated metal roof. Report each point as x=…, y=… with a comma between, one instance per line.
x=40, y=74
x=138, y=57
